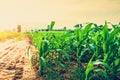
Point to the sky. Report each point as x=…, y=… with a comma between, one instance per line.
x=39, y=13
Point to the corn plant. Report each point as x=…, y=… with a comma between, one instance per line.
x=90, y=52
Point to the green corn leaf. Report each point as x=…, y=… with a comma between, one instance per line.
x=102, y=63
x=32, y=60
x=112, y=35
x=104, y=46
x=52, y=25
x=103, y=73
x=42, y=60
x=78, y=34
x=41, y=49
x=105, y=57
x=83, y=51
x=61, y=65
x=117, y=62
x=28, y=51
x=45, y=46
x=85, y=31
x=42, y=65
x=90, y=67
x=105, y=32
x=92, y=47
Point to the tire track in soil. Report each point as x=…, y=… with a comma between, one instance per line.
x=14, y=64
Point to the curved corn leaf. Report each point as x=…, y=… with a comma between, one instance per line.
x=28, y=51
x=88, y=70
x=87, y=28
x=85, y=31
x=32, y=60
x=61, y=65
x=104, y=73
x=52, y=25
x=104, y=64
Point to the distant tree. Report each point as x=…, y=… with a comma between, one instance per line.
x=65, y=28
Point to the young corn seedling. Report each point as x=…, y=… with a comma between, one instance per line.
x=94, y=50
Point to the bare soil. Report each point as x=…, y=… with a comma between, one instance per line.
x=14, y=63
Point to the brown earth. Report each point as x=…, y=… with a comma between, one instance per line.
x=14, y=63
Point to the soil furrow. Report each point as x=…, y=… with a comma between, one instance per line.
x=14, y=64
x=8, y=50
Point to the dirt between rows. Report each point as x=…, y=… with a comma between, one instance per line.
x=14, y=63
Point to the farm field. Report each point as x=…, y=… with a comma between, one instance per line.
x=59, y=39
x=89, y=52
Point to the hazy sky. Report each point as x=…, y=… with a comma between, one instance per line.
x=64, y=12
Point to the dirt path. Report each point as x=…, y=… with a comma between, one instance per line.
x=14, y=64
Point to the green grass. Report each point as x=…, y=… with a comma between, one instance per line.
x=9, y=35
